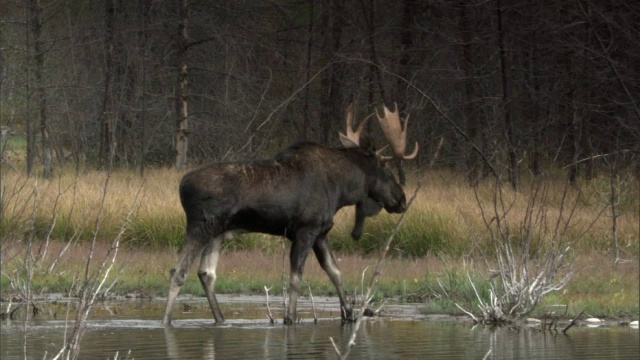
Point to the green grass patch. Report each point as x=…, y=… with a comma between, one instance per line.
x=453, y=286
x=422, y=233
x=163, y=232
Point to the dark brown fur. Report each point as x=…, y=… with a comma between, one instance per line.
x=296, y=194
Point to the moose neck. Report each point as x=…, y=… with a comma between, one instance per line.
x=350, y=173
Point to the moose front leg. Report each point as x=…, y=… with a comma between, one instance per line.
x=328, y=263
x=367, y=208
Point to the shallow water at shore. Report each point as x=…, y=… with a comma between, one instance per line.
x=133, y=328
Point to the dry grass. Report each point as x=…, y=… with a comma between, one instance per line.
x=445, y=217
x=445, y=223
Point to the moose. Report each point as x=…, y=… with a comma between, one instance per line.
x=295, y=194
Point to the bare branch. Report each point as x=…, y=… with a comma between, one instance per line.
x=371, y=286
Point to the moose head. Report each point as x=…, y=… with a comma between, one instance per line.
x=396, y=135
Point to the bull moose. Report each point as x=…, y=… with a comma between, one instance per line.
x=295, y=194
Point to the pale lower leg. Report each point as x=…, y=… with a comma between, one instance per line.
x=328, y=264
x=179, y=274
x=207, y=275
x=294, y=288
x=297, y=258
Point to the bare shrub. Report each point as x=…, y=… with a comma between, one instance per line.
x=533, y=248
x=25, y=252
x=95, y=277
x=615, y=192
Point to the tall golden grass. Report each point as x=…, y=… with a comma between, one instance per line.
x=446, y=217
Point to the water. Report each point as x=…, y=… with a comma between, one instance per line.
x=133, y=328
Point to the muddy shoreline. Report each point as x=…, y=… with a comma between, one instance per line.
x=242, y=308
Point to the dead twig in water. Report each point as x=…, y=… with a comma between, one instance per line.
x=486, y=356
x=271, y=320
x=475, y=320
x=362, y=286
x=282, y=274
x=572, y=323
x=313, y=305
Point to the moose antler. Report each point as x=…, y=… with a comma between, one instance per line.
x=396, y=133
x=352, y=138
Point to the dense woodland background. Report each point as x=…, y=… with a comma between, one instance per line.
x=513, y=87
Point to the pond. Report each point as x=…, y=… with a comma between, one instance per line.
x=132, y=328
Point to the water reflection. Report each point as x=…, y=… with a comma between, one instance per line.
x=304, y=341
x=200, y=338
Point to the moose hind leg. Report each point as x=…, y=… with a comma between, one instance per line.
x=207, y=275
x=178, y=275
x=328, y=263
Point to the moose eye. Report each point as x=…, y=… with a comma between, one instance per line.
x=390, y=175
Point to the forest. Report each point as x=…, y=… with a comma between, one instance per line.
x=510, y=88
x=526, y=114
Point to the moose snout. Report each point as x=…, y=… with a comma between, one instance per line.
x=400, y=206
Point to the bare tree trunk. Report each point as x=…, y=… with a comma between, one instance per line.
x=574, y=135
x=473, y=164
x=307, y=74
x=337, y=72
x=29, y=123
x=613, y=201
x=585, y=118
x=331, y=25
x=124, y=127
x=369, y=13
x=507, y=100
x=534, y=97
x=325, y=80
x=572, y=125
x=144, y=39
x=585, y=144
x=106, y=126
x=406, y=47
x=36, y=30
x=181, y=101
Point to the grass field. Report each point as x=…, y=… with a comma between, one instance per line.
x=443, y=239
